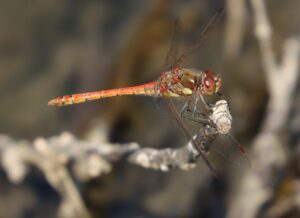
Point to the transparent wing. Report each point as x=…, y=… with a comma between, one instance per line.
x=224, y=153
x=169, y=63
x=176, y=107
x=170, y=60
x=202, y=36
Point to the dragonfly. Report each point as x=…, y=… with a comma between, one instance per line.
x=179, y=82
x=176, y=82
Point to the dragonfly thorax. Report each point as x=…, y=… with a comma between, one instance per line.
x=178, y=82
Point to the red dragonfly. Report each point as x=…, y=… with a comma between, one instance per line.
x=178, y=82
x=175, y=83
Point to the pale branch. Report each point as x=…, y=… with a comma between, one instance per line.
x=92, y=159
x=88, y=159
x=165, y=159
x=258, y=184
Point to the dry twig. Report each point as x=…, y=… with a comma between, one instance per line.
x=88, y=159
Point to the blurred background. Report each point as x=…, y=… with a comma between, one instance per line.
x=53, y=48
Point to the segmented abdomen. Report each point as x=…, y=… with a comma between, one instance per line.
x=148, y=89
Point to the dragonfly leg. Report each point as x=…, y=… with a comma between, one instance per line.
x=207, y=106
x=186, y=111
x=195, y=104
x=189, y=111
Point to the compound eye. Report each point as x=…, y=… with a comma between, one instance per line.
x=209, y=86
x=210, y=82
x=207, y=83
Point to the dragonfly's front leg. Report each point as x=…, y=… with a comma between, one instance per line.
x=206, y=105
x=210, y=106
x=189, y=111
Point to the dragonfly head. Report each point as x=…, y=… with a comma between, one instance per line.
x=210, y=83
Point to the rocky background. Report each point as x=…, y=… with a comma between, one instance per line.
x=52, y=48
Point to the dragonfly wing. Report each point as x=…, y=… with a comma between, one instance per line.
x=225, y=153
x=202, y=36
x=171, y=57
x=169, y=64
